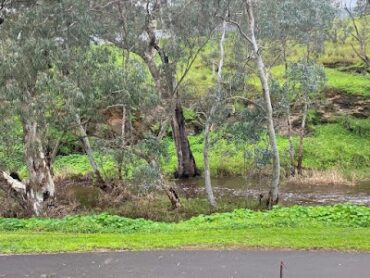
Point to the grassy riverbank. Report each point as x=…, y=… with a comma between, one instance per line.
x=340, y=227
x=330, y=146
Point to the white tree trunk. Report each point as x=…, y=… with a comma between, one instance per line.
x=274, y=189
x=207, y=172
x=214, y=108
x=123, y=143
x=13, y=183
x=291, y=168
x=40, y=179
x=301, y=141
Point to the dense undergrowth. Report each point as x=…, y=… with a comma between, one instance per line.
x=297, y=216
x=343, y=146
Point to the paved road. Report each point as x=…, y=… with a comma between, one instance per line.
x=205, y=264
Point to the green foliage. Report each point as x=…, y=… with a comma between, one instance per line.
x=78, y=164
x=226, y=157
x=320, y=216
x=306, y=79
x=305, y=21
x=189, y=114
x=343, y=145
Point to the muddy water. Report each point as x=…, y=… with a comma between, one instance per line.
x=290, y=193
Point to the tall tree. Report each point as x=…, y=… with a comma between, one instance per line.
x=27, y=40
x=360, y=22
x=215, y=101
x=33, y=35
x=288, y=23
x=250, y=36
x=164, y=35
x=305, y=82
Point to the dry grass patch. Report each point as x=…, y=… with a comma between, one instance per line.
x=327, y=177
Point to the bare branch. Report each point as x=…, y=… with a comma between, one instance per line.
x=244, y=35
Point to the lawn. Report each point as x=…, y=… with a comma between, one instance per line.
x=340, y=227
x=293, y=238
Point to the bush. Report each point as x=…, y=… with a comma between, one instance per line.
x=320, y=216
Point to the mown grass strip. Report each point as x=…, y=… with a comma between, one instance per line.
x=293, y=238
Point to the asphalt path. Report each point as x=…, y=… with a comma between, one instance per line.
x=205, y=264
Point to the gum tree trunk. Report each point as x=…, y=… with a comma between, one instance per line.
x=40, y=180
x=15, y=190
x=207, y=173
x=186, y=166
x=274, y=188
x=291, y=167
x=214, y=107
x=301, y=140
x=166, y=84
x=88, y=150
x=123, y=142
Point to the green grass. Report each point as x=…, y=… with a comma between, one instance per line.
x=345, y=215
x=302, y=238
x=350, y=83
x=329, y=146
x=157, y=207
x=226, y=157
x=341, y=227
x=333, y=145
x=343, y=82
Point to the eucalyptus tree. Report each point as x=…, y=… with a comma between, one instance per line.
x=129, y=95
x=360, y=24
x=244, y=19
x=78, y=83
x=27, y=40
x=292, y=22
x=167, y=36
x=304, y=82
x=215, y=100
x=32, y=34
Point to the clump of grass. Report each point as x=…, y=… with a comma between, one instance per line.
x=327, y=177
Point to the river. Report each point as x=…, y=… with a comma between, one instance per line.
x=301, y=194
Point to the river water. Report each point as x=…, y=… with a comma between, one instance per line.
x=290, y=193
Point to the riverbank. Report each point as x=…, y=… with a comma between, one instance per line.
x=328, y=148
x=340, y=227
